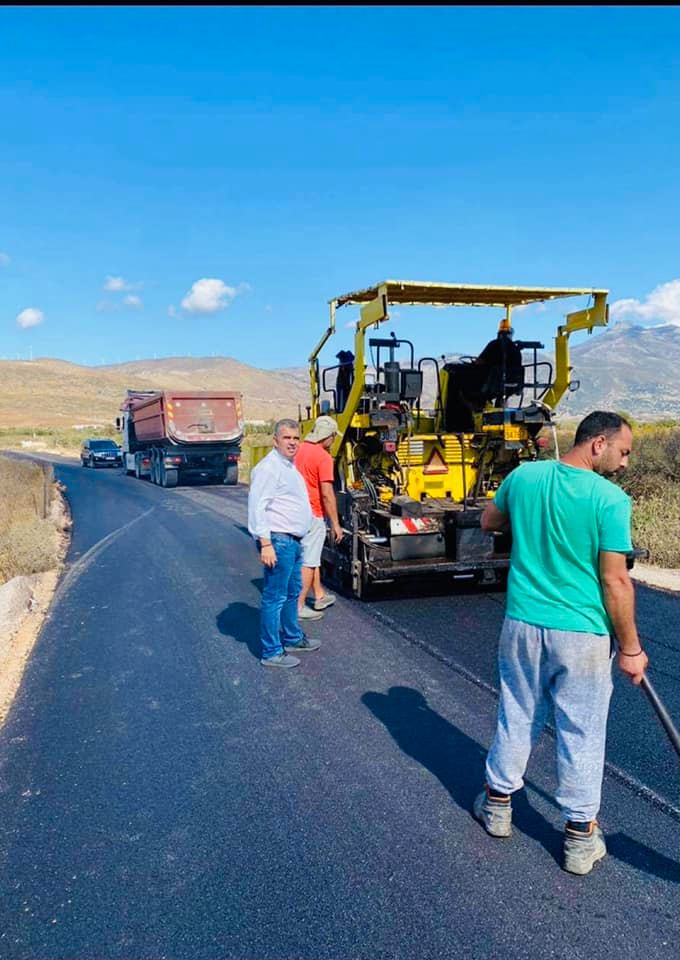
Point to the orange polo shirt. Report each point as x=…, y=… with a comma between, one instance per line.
x=316, y=466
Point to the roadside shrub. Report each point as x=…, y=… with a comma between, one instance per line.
x=28, y=547
x=656, y=526
x=28, y=541
x=655, y=464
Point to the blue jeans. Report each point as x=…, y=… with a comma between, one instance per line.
x=282, y=585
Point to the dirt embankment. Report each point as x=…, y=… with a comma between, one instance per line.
x=24, y=603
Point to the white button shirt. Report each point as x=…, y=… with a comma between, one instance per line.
x=278, y=498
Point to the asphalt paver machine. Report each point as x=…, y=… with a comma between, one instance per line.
x=413, y=476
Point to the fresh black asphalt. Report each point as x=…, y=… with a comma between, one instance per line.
x=164, y=796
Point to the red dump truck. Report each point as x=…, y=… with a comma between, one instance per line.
x=171, y=435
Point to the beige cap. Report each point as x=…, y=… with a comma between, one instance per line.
x=324, y=427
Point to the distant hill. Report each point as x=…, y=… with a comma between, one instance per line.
x=631, y=368
x=626, y=367
x=55, y=393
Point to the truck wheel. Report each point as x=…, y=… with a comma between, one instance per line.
x=231, y=475
x=92, y=464
x=168, y=477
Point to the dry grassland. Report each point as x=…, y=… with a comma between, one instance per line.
x=28, y=536
x=61, y=395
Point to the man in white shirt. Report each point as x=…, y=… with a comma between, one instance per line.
x=279, y=515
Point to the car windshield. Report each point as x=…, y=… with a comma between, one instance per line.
x=102, y=445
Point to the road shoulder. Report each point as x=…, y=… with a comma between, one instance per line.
x=28, y=602
x=660, y=577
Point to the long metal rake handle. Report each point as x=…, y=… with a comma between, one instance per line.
x=661, y=713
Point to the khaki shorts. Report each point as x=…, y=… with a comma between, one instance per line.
x=312, y=543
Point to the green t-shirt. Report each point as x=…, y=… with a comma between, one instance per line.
x=561, y=517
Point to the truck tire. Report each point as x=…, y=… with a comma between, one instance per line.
x=92, y=463
x=168, y=477
x=231, y=475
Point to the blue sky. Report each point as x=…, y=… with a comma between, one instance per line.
x=289, y=155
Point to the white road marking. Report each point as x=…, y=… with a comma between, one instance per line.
x=81, y=565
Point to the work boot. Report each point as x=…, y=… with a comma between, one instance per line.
x=494, y=812
x=281, y=660
x=583, y=846
x=304, y=646
x=308, y=614
x=322, y=603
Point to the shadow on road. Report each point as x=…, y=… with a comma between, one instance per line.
x=457, y=762
x=241, y=622
x=454, y=758
x=643, y=858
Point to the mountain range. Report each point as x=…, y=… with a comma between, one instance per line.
x=626, y=367
x=631, y=368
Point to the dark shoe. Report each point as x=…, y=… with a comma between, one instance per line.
x=304, y=646
x=494, y=815
x=583, y=849
x=281, y=660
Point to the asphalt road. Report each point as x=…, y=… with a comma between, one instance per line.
x=161, y=795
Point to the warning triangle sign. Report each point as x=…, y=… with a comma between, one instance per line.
x=436, y=463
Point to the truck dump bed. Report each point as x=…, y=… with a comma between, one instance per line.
x=185, y=417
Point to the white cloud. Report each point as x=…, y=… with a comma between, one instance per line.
x=210, y=295
x=105, y=305
x=30, y=317
x=132, y=300
x=119, y=285
x=4, y=259
x=661, y=305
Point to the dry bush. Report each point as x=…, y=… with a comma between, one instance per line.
x=28, y=540
x=655, y=463
x=656, y=526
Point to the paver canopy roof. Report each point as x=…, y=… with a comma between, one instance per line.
x=460, y=294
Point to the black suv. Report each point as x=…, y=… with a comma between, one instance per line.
x=95, y=453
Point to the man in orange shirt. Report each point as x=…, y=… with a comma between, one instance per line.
x=316, y=466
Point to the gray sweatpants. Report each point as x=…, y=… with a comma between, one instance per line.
x=572, y=672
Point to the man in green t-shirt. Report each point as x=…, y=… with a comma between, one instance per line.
x=568, y=592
